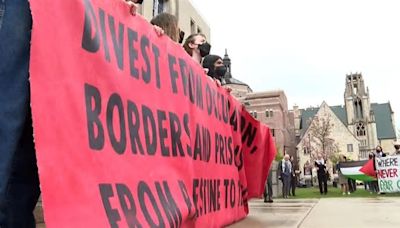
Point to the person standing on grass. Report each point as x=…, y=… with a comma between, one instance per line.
x=293, y=181
x=343, y=181
x=321, y=173
x=268, y=189
x=285, y=167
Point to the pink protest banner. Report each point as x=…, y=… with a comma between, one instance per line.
x=128, y=129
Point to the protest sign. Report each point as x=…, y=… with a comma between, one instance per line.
x=387, y=169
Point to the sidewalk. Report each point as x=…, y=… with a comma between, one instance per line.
x=330, y=212
x=280, y=213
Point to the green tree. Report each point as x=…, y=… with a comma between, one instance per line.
x=279, y=154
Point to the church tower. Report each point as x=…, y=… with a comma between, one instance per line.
x=360, y=116
x=227, y=64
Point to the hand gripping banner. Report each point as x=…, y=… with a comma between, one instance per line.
x=129, y=132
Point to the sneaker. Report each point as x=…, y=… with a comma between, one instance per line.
x=348, y=193
x=343, y=193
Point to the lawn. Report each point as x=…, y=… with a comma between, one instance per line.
x=313, y=192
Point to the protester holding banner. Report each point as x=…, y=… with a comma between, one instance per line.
x=216, y=68
x=133, y=4
x=322, y=174
x=197, y=47
x=379, y=152
x=373, y=185
x=168, y=23
x=131, y=123
x=343, y=181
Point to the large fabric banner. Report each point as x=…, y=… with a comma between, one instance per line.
x=129, y=131
x=387, y=169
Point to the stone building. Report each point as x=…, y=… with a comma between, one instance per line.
x=359, y=126
x=189, y=19
x=340, y=140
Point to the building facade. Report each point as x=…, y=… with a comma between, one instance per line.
x=189, y=19
x=359, y=126
x=340, y=140
x=271, y=108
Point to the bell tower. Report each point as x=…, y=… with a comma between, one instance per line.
x=360, y=117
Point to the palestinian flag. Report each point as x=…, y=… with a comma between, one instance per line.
x=368, y=168
x=352, y=170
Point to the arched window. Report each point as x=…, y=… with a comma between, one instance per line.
x=269, y=113
x=358, y=110
x=360, y=129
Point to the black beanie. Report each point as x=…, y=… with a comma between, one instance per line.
x=208, y=62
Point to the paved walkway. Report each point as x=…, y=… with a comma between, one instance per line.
x=319, y=213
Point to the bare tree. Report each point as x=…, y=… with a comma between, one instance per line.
x=319, y=137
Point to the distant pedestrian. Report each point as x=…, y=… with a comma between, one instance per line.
x=286, y=173
x=396, y=145
x=308, y=173
x=268, y=193
x=343, y=180
x=322, y=174
x=293, y=181
x=379, y=152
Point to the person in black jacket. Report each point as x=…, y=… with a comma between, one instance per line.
x=322, y=175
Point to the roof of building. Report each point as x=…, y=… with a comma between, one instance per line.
x=383, y=118
x=382, y=112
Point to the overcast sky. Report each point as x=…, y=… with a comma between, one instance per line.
x=307, y=47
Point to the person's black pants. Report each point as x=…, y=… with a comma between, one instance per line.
x=293, y=185
x=268, y=190
x=322, y=182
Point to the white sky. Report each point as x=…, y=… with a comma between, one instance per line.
x=307, y=47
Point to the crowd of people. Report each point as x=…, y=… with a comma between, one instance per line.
x=287, y=173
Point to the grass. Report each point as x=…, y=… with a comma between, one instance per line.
x=313, y=192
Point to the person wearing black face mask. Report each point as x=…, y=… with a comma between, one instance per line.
x=197, y=47
x=378, y=152
x=216, y=68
